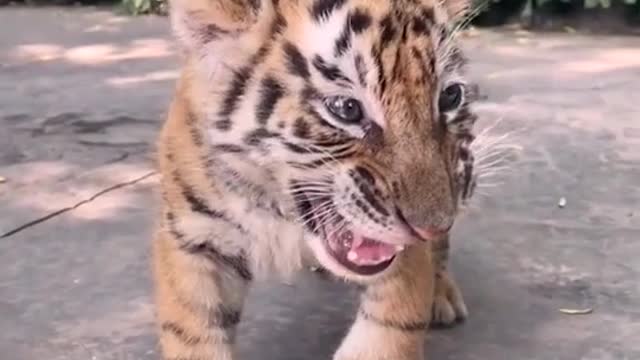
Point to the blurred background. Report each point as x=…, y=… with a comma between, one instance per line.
x=603, y=15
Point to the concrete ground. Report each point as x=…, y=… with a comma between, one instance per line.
x=83, y=92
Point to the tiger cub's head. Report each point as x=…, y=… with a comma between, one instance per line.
x=358, y=109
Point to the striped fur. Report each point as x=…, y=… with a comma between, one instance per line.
x=251, y=147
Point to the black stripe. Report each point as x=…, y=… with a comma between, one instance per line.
x=205, y=33
x=361, y=205
x=255, y=4
x=200, y=206
x=278, y=25
x=296, y=62
x=388, y=31
x=322, y=9
x=196, y=136
x=395, y=186
x=181, y=236
x=343, y=43
x=304, y=206
x=172, y=229
x=417, y=55
x=301, y=128
x=305, y=212
x=442, y=244
x=366, y=209
x=229, y=148
x=329, y=72
x=361, y=69
x=419, y=27
x=309, y=93
x=382, y=81
x=333, y=151
x=397, y=71
x=169, y=155
x=271, y=91
x=467, y=180
x=237, y=183
x=428, y=15
x=237, y=88
x=432, y=64
x=359, y=20
x=322, y=161
x=180, y=333
x=299, y=149
x=256, y=136
x=197, y=204
x=364, y=175
x=212, y=32
x=423, y=22
x=237, y=262
x=224, y=317
x=223, y=124
x=329, y=143
x=466, y=137
x=464, y=153
x=471, y=188
x=405, y=31
x=445, y=33
x=402, y=326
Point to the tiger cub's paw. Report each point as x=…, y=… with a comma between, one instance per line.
x=390, y=353
x=378, y=357
x=449, y=308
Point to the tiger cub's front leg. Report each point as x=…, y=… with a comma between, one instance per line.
x=394, y=313
x=199, y=298
x=448, y=303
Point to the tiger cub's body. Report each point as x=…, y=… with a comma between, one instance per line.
x=336, y=129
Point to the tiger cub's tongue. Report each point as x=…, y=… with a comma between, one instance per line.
x=366, y=251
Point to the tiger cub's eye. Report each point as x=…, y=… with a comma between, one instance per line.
x=450, y=98
x=347, y=110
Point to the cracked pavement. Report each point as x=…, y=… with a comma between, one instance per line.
x=83, y=92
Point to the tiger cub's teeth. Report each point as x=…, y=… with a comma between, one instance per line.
x=352, y=256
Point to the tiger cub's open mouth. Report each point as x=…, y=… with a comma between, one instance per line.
x=346, y=245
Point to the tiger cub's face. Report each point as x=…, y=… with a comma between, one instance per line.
x=390, y=116
x=360, y=110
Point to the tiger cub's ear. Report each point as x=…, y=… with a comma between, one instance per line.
x=221, y=28
x=456, y=9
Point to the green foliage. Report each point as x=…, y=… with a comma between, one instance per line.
x=140, y=7
x=137, y=7
x=498, y=11
x=588, y=4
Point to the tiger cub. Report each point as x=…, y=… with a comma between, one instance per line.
x=336, y=128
